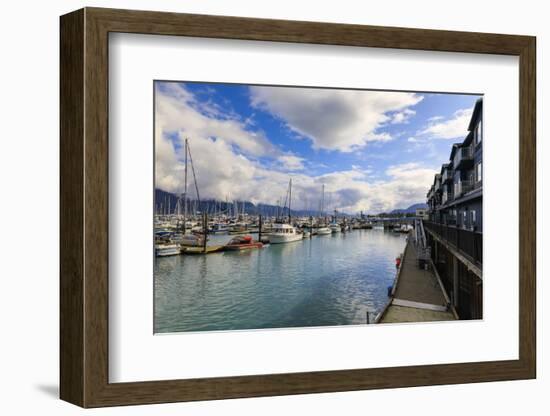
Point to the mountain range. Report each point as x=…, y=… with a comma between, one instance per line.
x=410, y=210
x=166, y=202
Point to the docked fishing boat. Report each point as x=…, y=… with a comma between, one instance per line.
x=219, y=228
x=166, y=249
x=335, y=228
x=192, y=240
x=283, y=233
x=240, y=228
x=324, y=231
x=242, y=243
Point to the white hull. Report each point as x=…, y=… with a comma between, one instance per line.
x=167, y=250
x=282, y=238
x=324, y=231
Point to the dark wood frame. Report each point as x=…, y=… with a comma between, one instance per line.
x=84, y=208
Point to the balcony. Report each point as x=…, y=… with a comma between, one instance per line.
x=467, y=242
x=463, y=158
x=463, y=187
x=437, y=183
x=446, y=197
x=446, y=175
x=431, y=193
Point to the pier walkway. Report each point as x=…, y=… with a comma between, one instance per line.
x=417, y=295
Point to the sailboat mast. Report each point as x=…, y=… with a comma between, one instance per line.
x=323, y=200
x=289, y=199
x=185, y=190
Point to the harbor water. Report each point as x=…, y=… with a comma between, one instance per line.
x=322, y=281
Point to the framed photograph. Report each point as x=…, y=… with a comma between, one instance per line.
x=256, y=207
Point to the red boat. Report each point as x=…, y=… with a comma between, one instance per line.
x=242, y=243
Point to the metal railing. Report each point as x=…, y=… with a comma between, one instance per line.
x=463, y=154
x=463, y=187
x=423, y=251
x=447, y=196
x=467, y=242
x=446, y=175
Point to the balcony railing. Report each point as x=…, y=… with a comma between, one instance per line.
x=463, y=156
x=463, y=187
x=467, y=242
x=446, y=175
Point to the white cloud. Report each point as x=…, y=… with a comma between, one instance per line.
x=227, y=153
x=455, y=127
x=291, y=162
x=335, y=119
x=356, y=190
x=402, y=117
x=179, y=112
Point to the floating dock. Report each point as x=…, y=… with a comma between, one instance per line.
x=417, y=294
x=202, y=250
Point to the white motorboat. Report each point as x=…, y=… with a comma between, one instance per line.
x=335, y=228
x=162, y=250
x=219, y=228
x=324, y=231
x=283, y=233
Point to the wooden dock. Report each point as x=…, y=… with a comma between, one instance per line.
x=417, y=294
x=201, y=250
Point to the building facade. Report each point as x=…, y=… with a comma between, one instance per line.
x=455, y=224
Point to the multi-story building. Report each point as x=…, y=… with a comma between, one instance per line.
x=455, y=225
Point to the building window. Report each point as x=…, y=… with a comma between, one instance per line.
x=478, y=172
x=478, y=133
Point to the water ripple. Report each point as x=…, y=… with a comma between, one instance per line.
x=322, y=281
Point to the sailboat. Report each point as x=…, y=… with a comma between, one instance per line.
x=324, y=230
x=192, y=232
x=334, y=226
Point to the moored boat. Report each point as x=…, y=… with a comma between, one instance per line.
x=192, y=240
x=335, y=228
x=163, y=250
x=283, y=233
x=324, y=231
x=219, y=228
x=242, y=243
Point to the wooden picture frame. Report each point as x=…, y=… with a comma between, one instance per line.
x=84, y=207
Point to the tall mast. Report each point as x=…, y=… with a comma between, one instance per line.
x=322, y=200
x=289, y=198
x=185, y=190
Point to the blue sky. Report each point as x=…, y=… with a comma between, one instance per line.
x=373, y=150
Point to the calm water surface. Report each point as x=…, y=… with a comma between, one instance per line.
x=326, y=280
